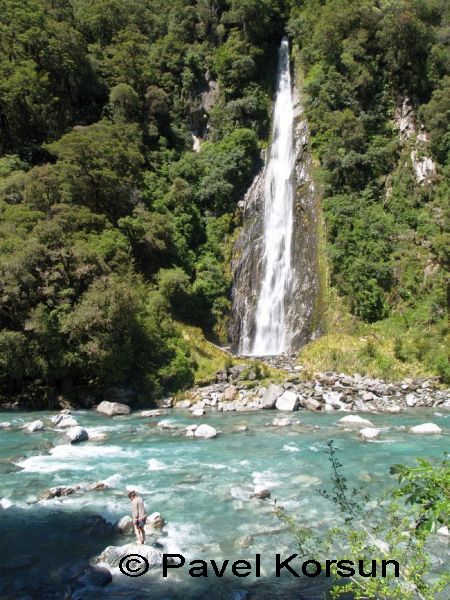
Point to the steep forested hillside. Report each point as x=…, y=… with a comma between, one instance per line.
x=112, y=228
x=110, y=224
x=376, y=74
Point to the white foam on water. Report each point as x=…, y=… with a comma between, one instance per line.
x=73, y=458
x=239, y=493
x=112, y=480
x=48, y=464
x=306, y=480
x=183, y=537
x=6, y=503
x=156, y=465
x=101, y=429
x=291, y=448
x=266, y=478
x=90, y=451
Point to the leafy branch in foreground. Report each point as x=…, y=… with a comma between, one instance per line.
x=397, y=526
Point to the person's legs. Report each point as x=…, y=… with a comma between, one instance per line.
x=137, y=531
x=142, y=532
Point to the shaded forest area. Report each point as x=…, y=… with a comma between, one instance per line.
x=113, y=230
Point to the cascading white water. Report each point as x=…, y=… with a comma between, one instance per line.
x=270, y=327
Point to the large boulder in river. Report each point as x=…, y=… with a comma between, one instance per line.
x=369, y=433
x=124, y=525
x=34, y=426
x=271, y=395
x=112, y=408
x=94, y=576
x=155, y=521
x=205, y=431
x=77, y=434
x=95, y=526
x=355, y=421
x=288, y=401
x=282, y=422
x=198, y=412
x=112, y=555
x=426, y=428
x=66, y=421
x=261, y=492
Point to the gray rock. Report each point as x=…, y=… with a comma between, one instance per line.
x=426, y=428
x=240, y=428
x=198, y=412
x=166, y=402
x=288, y=401
x=155, y=521
x=205, y=431
x=113, y=554
x=95, y=526
x=237, y=370
x=183, y=404
x=230, y=393
x=368, y=396
x=311, y=404
x=66, y=421
x=282, y=422
x=95, y=577
x=60, y=492
x=77, y=434
x=112, y=408
x=369, y=433
x=124, y=526
x=244, y=542
x=230, y=406
x=271, y=395
x=260, y=492
x=34, y=426
x=355, y=420
x=156, y=412
x=411, y=400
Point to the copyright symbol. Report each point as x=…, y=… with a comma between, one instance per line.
x=134, y=565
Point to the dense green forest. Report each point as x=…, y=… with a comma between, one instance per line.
x=113, y=230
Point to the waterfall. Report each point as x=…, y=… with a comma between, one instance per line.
x=277, y=274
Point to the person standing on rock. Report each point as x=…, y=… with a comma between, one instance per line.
x=139, y=516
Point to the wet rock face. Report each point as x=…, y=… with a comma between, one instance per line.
x=301, y=302
x=246, y=264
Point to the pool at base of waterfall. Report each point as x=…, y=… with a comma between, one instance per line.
x=206, y=490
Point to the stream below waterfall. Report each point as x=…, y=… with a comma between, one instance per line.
x=202, y=488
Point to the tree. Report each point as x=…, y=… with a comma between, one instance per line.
x=99, y=165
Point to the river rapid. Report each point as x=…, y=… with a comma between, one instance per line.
x=202, y=488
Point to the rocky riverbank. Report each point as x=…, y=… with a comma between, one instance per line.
x=237, y=389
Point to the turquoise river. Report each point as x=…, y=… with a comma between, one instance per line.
x=202, y=488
